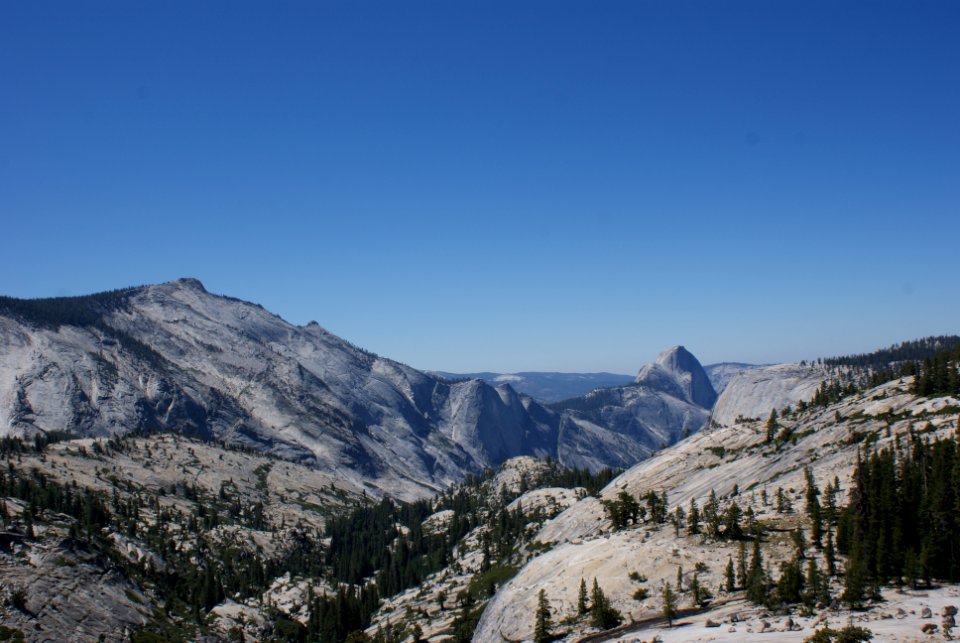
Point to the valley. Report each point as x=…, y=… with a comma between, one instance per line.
x=186, y=466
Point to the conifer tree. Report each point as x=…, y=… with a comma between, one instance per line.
x=742, y=565
x=602, y=615
x=731, y=522
x=756, y=585
x=790, y=584
x=772, y=425
x=669, y=604
x=598, y=602
x=813, y=509
x=853, y=586
x=698, y=593
x=679, y=519
x=541, y=630
x=783, y=502
x=750, y=524
x=582, y=598
x=799, y=543
x=730, y=581
x=911, y=568
x=693, y=518
x=830, y=556
x=711, y=515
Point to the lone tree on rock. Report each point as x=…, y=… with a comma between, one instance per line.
x=541, y=630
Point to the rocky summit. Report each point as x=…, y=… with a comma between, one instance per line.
x=174, y=357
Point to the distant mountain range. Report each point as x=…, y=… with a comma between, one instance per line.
x=549, y=387
x=102, y=537
x=546, y=386
x=175, y=357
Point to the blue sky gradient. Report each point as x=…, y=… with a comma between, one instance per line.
x=499, y=185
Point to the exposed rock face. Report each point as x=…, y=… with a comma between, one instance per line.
x=720, y=374
x=754, y=392
x=71, y=594
x=670, y=400
x=175, y=357
x=678, y=372
x=715, y=460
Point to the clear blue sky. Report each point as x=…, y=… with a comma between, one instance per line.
x=498, y=185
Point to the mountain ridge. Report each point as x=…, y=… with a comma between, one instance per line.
x=173, y=356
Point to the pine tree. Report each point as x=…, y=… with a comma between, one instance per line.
x=598, y=602
x=772, y=425
x=853, y=586
x=830, y=503
x=751, y=525
x=697, y=592
x=679, y=519
x=813, y=584
x=742, y=565
x=669, y=604
x=813, y=509
x=731, y=522
x=541, y=630
x=799, y=543
x=582, y=598
x=911, y=568
x=602, y=615
x=756, y=585
x=730, y=581
x=790, y=584
x=711, y=514
x=830, y=556
x=693, y=518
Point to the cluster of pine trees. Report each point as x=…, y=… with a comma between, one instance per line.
x=902, y=524
x=381, y=549
x=53, y=312
x=935, y=361
x=87, y=311
x=192, y=579
x=910, y=351
x=937, y=375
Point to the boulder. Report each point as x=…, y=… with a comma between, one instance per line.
x=949, y=610
x=711, y=623
x=928, y=628
x=926, y=612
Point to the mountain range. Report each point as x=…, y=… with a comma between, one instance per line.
x=175, y=357
x=546, y=387
x=550, y=387
x=203, y=470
